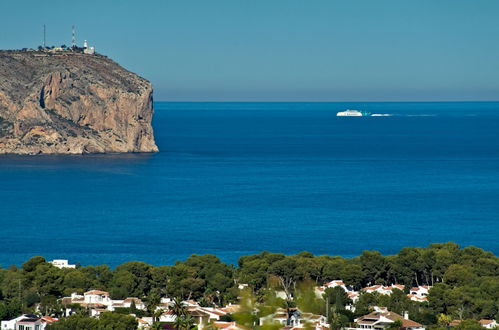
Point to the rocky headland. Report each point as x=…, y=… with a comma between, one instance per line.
x=72, y=103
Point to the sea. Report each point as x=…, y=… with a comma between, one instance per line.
x=234, y=179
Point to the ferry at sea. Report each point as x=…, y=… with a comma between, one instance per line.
x=352, y=113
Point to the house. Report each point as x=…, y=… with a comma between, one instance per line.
x=381, y=318
x=214, y=313
x=489, y=324
x=127, y=303
x=61, y=263
x=336, y=283
x=420, y=291
x=296, y=319
x=144, y=323
x=98, y=302
x=201, y=319
x=386, y=290
x=227, y=325
x=231, y=308
x=97, y=297
x=416, y=298
x=27, y=322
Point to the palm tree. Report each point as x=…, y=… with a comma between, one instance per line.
x=157, y=314
x=179, y=322
x=180, y=311
x=178, y=308
x=188, y=322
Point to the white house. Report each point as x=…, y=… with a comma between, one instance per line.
x=386, y=290
x=489, y=324
x=381, y=318
x=97, y=297
x=99, y=301
x=27, y=322
x=61, y=263
x=227, y=326
x=296, y=319
x=335, y=283
x=420, y=291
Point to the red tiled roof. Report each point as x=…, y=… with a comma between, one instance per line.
x=374, y=316
x=104, y=293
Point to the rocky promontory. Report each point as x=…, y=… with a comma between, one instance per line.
x=72, y=103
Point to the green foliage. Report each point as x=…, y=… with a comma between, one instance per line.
x=307, y=300
x=397, y=325
x=469, y=325
x=32, y=263
x=106, y=321
x=465, y=283
x=337, y=298
x=202, y=276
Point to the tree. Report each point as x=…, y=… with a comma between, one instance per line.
x=178, y=308
x=285, y=271
x=116, y=321
x=153, y=300
x=469, y=325
x=443, y=320
x=32, y=263
x=49, y=279
x=307, y=300
x=374, y=267
x=141, y=274
x=397, y=325
x=75, y=322
x=337, y=298
x=459, y=275
x=77, y=281
x=124, y=284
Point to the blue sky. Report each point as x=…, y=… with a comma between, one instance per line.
x=281, y=50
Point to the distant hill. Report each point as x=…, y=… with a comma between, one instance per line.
x=71, y=103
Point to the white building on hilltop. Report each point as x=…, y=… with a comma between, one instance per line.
x=88, y=50
x=62, y=263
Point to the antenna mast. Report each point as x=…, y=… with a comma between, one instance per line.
x=44, y=35
x=73, y=41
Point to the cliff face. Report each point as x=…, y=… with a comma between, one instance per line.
x=68, y=103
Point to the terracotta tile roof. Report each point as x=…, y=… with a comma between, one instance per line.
x=485, y=322
x=215, y=311
x=99, y=292
x=197, y=313
x=223, y=325
x=101, y=310
x=49, y=319
x=374, y=316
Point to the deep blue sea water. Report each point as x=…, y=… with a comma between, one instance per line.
x=233, y=179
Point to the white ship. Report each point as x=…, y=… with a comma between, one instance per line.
x=352, y=113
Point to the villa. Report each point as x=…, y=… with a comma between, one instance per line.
x=381, y=318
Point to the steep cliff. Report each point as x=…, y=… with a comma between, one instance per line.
x=71, y=103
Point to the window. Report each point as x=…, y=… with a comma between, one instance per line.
x=21, y=327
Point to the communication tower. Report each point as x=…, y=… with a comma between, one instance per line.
x=73, y=40
x=44, y=35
